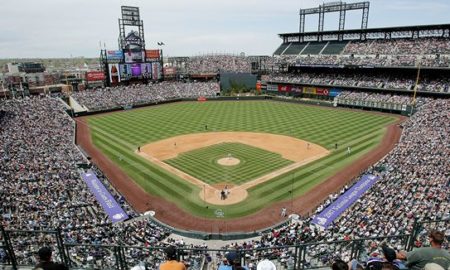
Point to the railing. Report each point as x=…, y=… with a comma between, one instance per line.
x=18, y=248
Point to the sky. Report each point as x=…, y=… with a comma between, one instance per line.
x=74, y=28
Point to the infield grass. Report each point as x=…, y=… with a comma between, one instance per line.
x=254, y=162
x=117, y=135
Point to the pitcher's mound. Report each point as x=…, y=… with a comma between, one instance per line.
x=228, y=161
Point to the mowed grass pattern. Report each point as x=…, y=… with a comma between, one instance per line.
x=254, y=162
x=119, y=134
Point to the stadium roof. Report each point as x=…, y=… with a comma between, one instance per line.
x=445, y=28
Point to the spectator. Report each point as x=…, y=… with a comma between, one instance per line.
x=171, y=262
x=339, y=265
x=377, y=263
x=266, y=265
x=46, y=263
x=232, y=262
x=417, y=259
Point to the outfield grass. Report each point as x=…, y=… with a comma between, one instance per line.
x=254, y=162
x=119, y=134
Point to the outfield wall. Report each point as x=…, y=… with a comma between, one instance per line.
x=354, y=105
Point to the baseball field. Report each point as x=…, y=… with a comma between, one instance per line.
x=260, y=152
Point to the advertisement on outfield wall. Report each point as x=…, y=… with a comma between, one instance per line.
x=272, y=87
x=334, y=92
x=309, y=90
x=114, y=75
x=114, y=55
x=134, y=56
x=297, y=89
x=322, y=92
x=284, y=88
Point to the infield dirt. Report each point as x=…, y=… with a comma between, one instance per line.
x=299, y=151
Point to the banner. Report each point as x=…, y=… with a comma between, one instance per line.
x=297, y=89
x=334, y=92
x=170, y=71
x=146, y=69
x=114, y=55
x=92, y=76
x=114, y=76
x=272, y=87
x=284, y=88
x=152, y=54
x=125, y=72
x=322, y=92
x=309, y=90
x=156, y=73
x=104, y=198
x=327, y=216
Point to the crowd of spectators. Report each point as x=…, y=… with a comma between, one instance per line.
x=370, y=60
x=362, y=80
x=377, y=97
x=413, y=186
x=106, y=98
x=216, y=63
x=420, y=46
x=41, y=188
x=39, y=161
x=427, y=52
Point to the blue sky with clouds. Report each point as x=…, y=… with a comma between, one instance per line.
x=61, y=28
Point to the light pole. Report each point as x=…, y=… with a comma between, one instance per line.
x=160, y=44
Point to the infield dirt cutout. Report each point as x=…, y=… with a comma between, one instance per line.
x=299, y=151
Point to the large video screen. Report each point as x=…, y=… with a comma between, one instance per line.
x=136, y=71
x=134, y=56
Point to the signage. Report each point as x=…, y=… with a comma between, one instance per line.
x=114, y=75
x=114, y=55
x=92, y=76
x=334, y=210
x=104, y=198
x=152, y=54
x=130, y=15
